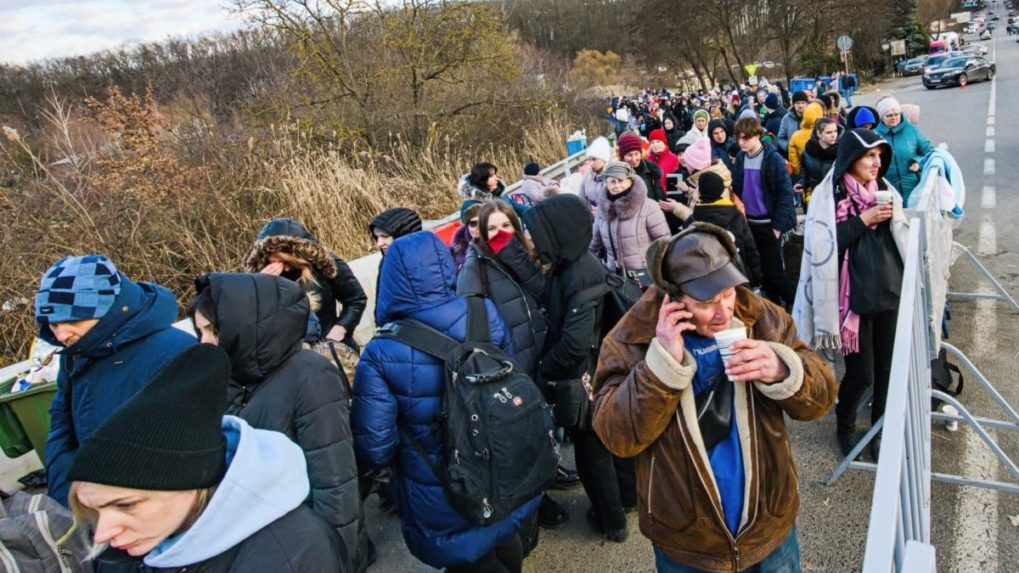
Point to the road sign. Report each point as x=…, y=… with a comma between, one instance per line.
x=751, y=69
x=845, y=43
x=898, y=47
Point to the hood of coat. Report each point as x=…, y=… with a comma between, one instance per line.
x=719, y=123
x=290, y=237
x=417, y=274
x=625, y=207
x=266, y=478
x=854, y=144
x=261, y=318
x=139, y=310
x=560, y=228
x=811, y=114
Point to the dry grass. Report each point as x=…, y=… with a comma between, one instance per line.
x=134, y=193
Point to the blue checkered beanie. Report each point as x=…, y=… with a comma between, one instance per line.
x=77, y=288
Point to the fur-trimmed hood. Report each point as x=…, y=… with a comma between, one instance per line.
x=658, y=250
x=290, y=237
x=625, y=207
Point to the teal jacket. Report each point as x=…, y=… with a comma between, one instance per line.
x=908, y=147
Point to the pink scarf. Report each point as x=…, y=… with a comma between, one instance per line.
x=858, y=199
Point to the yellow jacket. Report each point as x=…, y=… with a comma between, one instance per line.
x=798, y=141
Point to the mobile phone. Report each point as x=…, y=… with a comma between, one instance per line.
x=672, y=182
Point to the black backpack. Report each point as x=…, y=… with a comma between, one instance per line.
x=498, y=433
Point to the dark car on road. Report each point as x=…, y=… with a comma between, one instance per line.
x=959, y=72
x=913, y=66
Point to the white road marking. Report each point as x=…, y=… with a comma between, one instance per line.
x=988, y=166
x=989, y=146
x=990, y=120
x=990, y=131
x=976, y=524
x=988, y=200
x=987, y=242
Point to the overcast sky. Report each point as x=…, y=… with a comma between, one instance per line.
x=39, y=29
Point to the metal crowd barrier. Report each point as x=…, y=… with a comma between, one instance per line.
x=898, y=536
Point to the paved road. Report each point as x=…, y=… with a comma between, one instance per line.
x=971, y=529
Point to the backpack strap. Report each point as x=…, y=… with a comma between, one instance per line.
x=419, y=336
x=477, y=321
x=408, y=437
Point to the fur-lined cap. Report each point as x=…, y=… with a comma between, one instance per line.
x=313, y=252
x=660, y=249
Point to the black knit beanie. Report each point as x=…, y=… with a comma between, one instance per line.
x=167, y=437
x=396, y=222
x=710, y=187
x=801, y=96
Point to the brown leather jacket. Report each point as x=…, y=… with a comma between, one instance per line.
x=644, y=408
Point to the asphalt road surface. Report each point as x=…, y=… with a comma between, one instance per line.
x=971, y=528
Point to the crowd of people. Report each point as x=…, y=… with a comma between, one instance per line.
x=657, y=308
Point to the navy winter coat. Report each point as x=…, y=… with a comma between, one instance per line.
x=397, y=387
x=778, y=188
x=106, y=367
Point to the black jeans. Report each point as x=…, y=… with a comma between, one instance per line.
x=776, y=283
x=872, y=365
x=506, y=557
x=610, y=482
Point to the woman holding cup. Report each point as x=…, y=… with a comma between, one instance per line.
x=850, y=301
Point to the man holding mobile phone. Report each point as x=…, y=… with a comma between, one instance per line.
x=716, y=482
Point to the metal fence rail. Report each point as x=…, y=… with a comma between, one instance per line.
x=898, y=536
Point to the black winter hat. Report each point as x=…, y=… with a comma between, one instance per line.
x=396, y=222
x=801, y=96
x=167, y=437
x=532, y=168
x=710, y=187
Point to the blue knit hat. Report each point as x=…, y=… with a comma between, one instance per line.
x=863, y=117
x=77, y=288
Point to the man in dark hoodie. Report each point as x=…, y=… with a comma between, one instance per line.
x=115, y=334
x=561, y=230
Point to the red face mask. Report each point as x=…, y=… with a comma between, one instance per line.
x=499, y=241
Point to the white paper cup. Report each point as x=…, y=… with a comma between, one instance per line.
x=883, y=197
x=725, y=339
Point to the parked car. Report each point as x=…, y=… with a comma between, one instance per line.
x=991, y=26
x=913, y=66
x=986, y=34
x=959, y=72
x=976, y=49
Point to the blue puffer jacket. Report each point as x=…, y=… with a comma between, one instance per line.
x=908, y=147
x=106, y=367
x=399, y=387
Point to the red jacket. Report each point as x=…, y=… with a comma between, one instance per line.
x=667, y=161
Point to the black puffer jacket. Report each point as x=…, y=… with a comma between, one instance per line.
x=334, y=281
x=513, y=282
x=278, y=386
x=728, y=217
x=652, y=176
x=816, y=162
x=561, y=229
x=282, y=541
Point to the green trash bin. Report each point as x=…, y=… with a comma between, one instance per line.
x=25, y=419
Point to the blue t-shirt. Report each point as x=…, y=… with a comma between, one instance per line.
x=726, y=457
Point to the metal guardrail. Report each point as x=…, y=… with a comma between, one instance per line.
x=898, y=535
